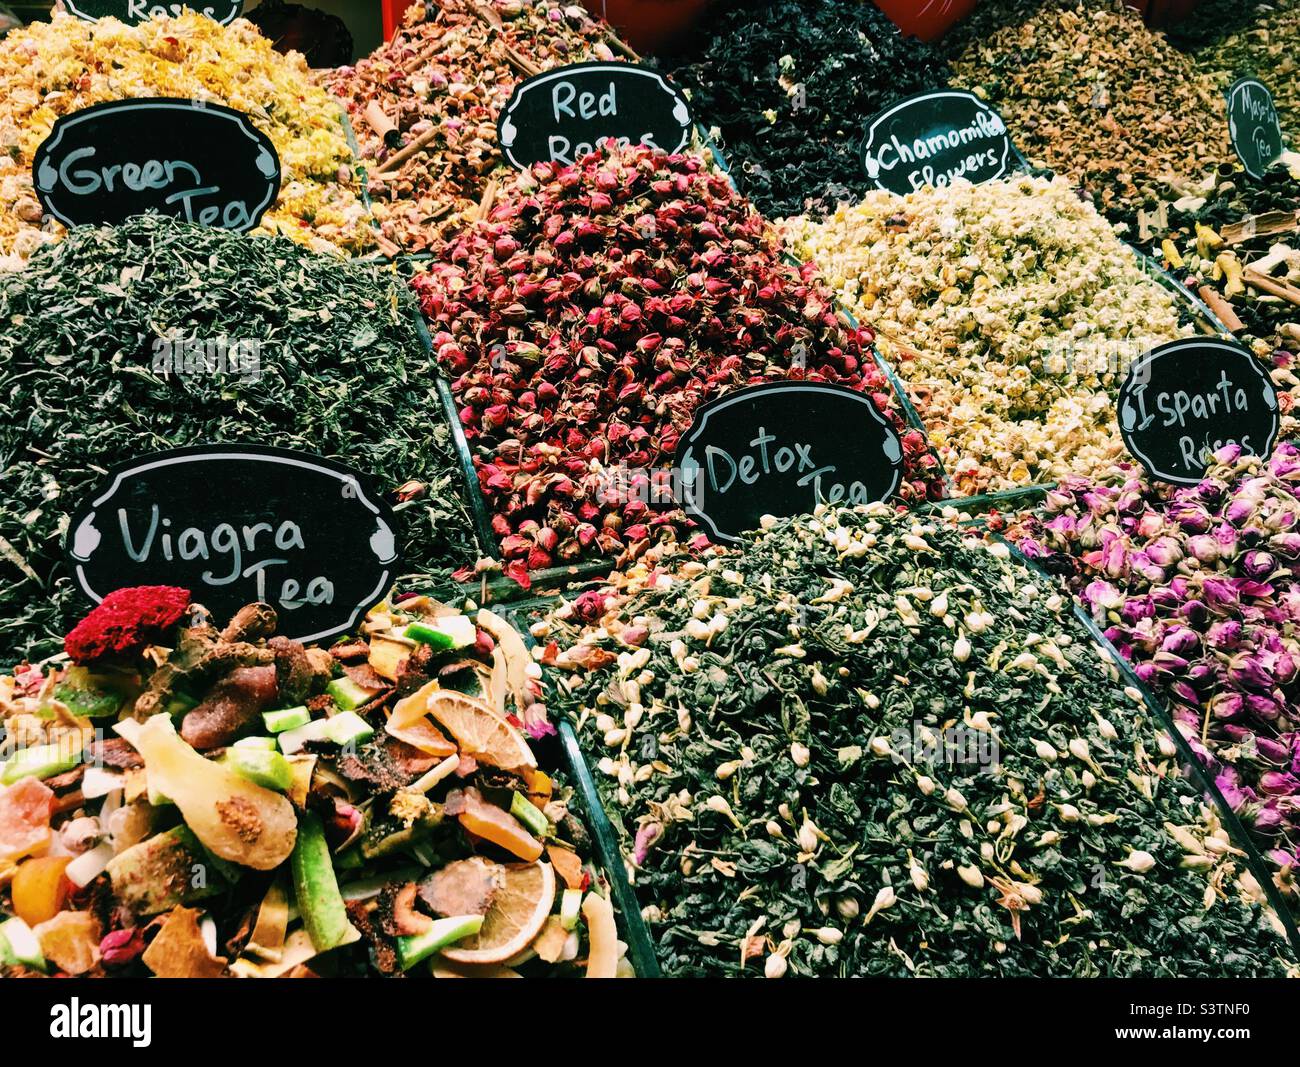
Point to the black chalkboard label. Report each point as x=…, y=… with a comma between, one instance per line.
x=133, y=12
x=235, y=524
x=189, y=159
x=933, y=139
x=780, y=449
x=1185, y=399
x=1253, y=125
x=562, y=115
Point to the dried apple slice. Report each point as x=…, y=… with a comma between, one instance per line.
x=235, y=819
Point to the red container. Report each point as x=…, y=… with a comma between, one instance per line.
x=926, y=19
x=393, y=11
x=649, y=25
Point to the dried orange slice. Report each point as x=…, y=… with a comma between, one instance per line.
x=479, y=731
x=515, y=917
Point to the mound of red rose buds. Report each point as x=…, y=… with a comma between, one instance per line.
x=590, y=314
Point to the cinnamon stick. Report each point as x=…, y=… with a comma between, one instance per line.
x=1221, y=308
x=619, y=45
x=520, y=64
x=1265, y=225
x=1271, y=286
x=378, y=119
x=395, y=161
x=489, y=198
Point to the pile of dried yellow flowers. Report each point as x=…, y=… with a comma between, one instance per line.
x=1011, y=310
x=52, y=69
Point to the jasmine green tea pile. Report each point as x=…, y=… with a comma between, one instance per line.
x=871, y=745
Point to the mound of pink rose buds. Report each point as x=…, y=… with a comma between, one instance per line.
x=591, y=313
x=1199, y=588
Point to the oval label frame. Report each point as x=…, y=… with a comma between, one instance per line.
x=135, y=484
x=1262, y=133
x=886, y=124
x=816, y=398
x=94, y=10
x=156, y=158
x=1127, y=414
x=517, y=119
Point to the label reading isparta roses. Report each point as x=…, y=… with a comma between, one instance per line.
x=1186, y=399
x=133, y=12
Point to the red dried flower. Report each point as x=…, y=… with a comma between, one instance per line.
x=125, y=622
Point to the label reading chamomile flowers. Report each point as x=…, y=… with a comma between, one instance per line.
x=563, y=114
x=781, y=449
x=1185, y=400
x=935, y=138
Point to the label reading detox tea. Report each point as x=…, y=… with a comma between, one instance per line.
x=1184, y=400
x=935, y=138
x=189, y=159
x=1253, y=125
x=780, y=449
x=236, y=524
x=133, y=12
x=561, y=115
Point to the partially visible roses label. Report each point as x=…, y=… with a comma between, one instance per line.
x=1253, y=125
x=190, y=159
x=561, y=115
x=241, y=523
x=780, y=449
x=1186, y=399
x=133, y=12
x=934, y=138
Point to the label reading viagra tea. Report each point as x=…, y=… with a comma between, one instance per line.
x=189, y=159
x=235, y=524
x=562, y=115
x=133, y=12
x=1253, y=126
x=780, y=449
x=935, y=138
x=1184, y=400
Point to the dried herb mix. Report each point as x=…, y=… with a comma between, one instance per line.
x=437, y=87
x=1010, y=309
x=1089, y=91
x=1267, y=47
x=787, y=87
x=587, y=319
x=1198, y=588
x=339, y=371
x=48, y=70
x=868, y=744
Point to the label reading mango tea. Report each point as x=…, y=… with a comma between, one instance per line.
x=1253, y=125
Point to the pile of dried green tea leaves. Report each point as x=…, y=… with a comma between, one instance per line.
x=296, y=349
x=868, y=744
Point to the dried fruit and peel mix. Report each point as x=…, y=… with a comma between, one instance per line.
x=589, y=316
x=1011, y=310
x=52, y=69
x=869, y=743
x=185, y=801
x=424, y=104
